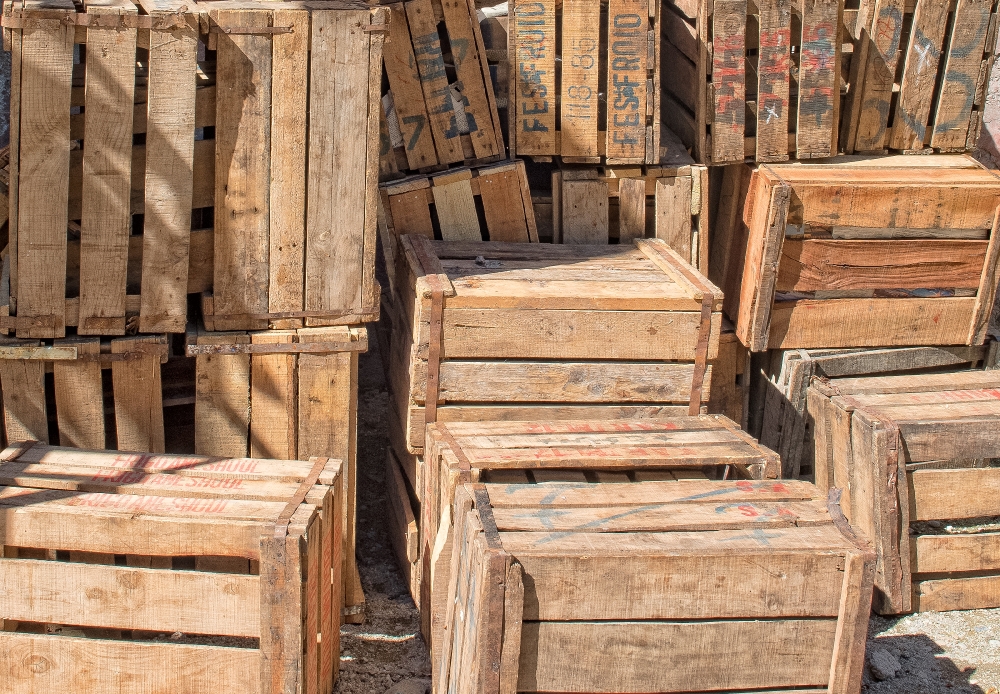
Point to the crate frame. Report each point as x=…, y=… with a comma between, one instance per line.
x=283, y=236
x=268, y=522
x=493, y=608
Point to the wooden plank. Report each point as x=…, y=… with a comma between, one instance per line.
x=80, y=399
x=818, y=264
x=578, y=97
x=500, y=192
x=24, y=411
x=434, y=80
x=106, y=222
x=118, y=664
x=937, y=554
x=128, y=598
x=534, y=84
x=728, y=81
x=916, y=89
x=281, y=613
x=462, y=26
x=169, y=176
x=513, y=618
x=673, y=213
x=273, y=399
x=819, y=79
x=877, y=76
x=628, y=23
x=973, y=593
x=242, y=168
x=337, y=157
x=287, y=204
x=455, y=206
x=584, y=212
x=408, y=99
x=633, y=655
x=773, y=64
x=222, y=399
x=986, y=294
x=946, y=494
x=852, y=623
x=631, y=209
x=138, y=397
x=46, y=65
x=961, y=67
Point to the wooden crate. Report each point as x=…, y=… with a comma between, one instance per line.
x=677, y=587
x=786, y=425
x=484, y=203
x=899, y=251
x=918, y=75
x=586, y=86
x=77, y=391
x=188, y=138
x=759, y=81
x=915, y=457
x=237, y=559
x=285, y=394
x=543, y=331
x=568, y=452
x=440, y=107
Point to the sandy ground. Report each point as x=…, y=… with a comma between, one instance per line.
x=929, y=653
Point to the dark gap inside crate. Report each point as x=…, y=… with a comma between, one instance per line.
x=481, y=215
x=602, y=73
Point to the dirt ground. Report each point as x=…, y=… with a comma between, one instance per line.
x=929, y=653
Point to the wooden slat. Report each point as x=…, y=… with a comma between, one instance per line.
x=222, y=399
x=46, y=65
x=628, y=23
x=455, y=206
x=169, y=176
x=128, y=664
x=336, y=194
x=581, y=25
x=935, y=554
x=138, y=397
x=24, y=412
x=819, y=79
x=728, y=82
x=289, y=113
x=973, y=593
x=107, y=175
x=631, y=209
x=960, y=68
x=500, y=192
x=673, y=213
x=408, y=98
x=773, y=65
x=877, y=76
x=534, y=85
x=551, y=655
x=948, y=494
x=273, y=398
x=584, y=212
x=80, y=399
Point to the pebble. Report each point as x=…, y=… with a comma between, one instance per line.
x=411, y=686
x=883, y=664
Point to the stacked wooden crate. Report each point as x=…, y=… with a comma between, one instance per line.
x=178, y=572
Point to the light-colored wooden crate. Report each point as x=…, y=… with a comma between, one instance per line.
x=486, y=331
x=597, y=98
x=136, y=157
x=654, y=587
x=440, y=106
x=858, y=252
x=239, y=556
x=581, y=452
x=753, y=80
x=448, y=205
x=915, y=457
x=786, y=423
x=285, y=394
x=77, y=390
x=918, y=75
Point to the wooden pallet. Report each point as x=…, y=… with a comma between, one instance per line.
x=285, y=394
x=759, y=81
x=567, y=58
x=786, y=425
x=441, y=109
x=485, y=203
x=178, y=146
x=914, y=452
x=237, y=559
x=541, y=328
x=771, y=593
x=899, y=251
x=918, y=75
x=77, y=391
x=580, y=452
